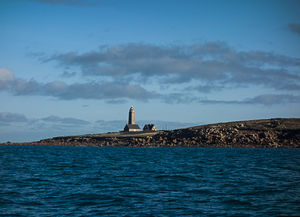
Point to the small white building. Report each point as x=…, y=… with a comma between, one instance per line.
x=149, y=127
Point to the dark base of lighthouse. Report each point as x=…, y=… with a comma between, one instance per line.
x=132, y=128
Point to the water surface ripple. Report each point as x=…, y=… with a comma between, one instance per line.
x=90, y=181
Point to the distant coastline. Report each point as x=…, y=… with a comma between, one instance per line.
x=267, y=133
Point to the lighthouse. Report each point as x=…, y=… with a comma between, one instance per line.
x=131, y=126
x=131, y=119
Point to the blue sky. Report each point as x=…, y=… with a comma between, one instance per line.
x=76, y=66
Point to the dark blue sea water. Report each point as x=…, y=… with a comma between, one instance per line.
x=90, y=181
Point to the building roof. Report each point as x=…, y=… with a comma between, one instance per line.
x=132, y=126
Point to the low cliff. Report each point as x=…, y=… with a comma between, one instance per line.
x=271, y=133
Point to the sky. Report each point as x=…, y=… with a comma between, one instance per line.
x=70, y=67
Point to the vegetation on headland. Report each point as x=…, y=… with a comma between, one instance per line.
x=270, y=133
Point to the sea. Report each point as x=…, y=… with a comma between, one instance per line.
x=123, y=181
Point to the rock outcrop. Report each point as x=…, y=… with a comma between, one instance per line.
x=271, y=133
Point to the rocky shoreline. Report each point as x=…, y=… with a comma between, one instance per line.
x=269, y=133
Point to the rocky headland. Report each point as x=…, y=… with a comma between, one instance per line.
x=270, y=133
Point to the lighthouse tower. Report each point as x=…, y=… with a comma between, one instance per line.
x=131, y=119
x=131, y=126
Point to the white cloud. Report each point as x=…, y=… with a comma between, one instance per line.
x=6, y=75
